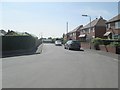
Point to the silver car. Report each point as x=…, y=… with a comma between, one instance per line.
x=58, y=43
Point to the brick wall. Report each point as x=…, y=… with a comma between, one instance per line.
x=85, y=45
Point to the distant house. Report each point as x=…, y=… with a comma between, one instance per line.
x=113, y=28
x=74, y=34
x=2, y=32
x=96, y=28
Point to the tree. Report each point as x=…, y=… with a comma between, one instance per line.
x=49, y=37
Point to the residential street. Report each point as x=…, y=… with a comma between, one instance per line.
x=57, y=67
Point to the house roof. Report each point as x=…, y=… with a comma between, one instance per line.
x=116, y=18
x=93, y=23
x=2, y=32
x=76, y=29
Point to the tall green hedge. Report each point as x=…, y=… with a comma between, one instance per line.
x=10, y=43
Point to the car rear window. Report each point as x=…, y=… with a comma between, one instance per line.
x=78, y=42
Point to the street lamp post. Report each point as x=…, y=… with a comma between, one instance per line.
x=90, y=26
x=90, y=20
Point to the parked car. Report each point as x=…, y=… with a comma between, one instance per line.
x=72, y=44
x=58, y=43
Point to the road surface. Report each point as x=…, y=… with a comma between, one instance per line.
x=57, y=67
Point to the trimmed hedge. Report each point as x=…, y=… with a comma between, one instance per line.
x=10, y=43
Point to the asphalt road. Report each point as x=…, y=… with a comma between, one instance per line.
x=57, y=67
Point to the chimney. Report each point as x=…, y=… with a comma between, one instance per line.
x=101, y=17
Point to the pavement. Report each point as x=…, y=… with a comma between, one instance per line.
x=107, y=54
x=57, y=67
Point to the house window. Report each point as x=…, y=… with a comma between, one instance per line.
x=70, y=35
x=93, y=36
x=83, y=31
x=93, y=29
x=74, y=34
x=108, y=25
x=117, y=25
x=89, y=30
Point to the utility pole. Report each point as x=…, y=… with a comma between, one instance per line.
x=89, y=28
x=67, y=27
x=67, y=30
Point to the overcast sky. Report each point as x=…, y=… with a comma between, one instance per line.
x=49, y=18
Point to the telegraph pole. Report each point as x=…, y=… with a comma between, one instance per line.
x=67, y=29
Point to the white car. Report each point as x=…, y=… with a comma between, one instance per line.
x=58, y=43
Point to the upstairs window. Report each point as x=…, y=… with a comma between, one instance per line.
x=117, y=25
x=108, y=26
x=93, y=29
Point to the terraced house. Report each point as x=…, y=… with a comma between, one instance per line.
x=113, y=28
x=96, y=28
x=74, y=34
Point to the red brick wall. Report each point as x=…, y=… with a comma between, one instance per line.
x=85, y=45
x=108, y=48
x=111, y=49
x=100, y=31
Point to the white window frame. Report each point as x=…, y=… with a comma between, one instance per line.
x=109, y=26
x=117, y=25
x=93, y=29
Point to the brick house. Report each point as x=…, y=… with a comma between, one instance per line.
x=96, y=28
x=74, y=34
x=2, y=32
x=113, y=28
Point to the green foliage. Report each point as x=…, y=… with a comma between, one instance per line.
x=97, y=41
x=115, y=44
x=49, y=37
x=64, y=41
x=10, y=43
x=106, y=42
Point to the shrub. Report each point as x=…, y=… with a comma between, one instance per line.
x=96, y=42
x=106, y=42
x=115, y=44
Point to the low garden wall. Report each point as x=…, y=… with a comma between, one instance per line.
x=85, y=45
x=108, y=48
x=103, y=45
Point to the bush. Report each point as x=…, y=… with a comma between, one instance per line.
x=96, y=42
x=106, y=42
x=64, y=41
x=117, y=44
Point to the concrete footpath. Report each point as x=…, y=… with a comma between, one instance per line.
x=108, y=54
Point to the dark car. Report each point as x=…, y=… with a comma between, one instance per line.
x=72, y=44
